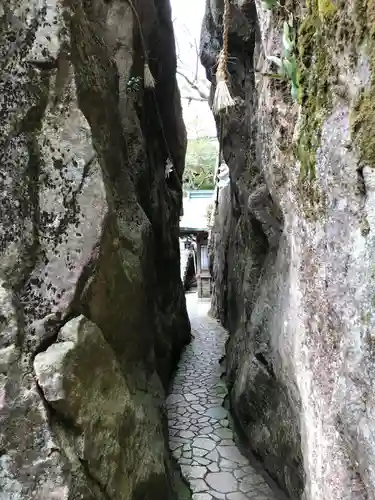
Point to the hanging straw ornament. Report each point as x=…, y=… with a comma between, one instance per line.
x=222, y=98
x=168, y=168
x=148, y=79
x=223, y=175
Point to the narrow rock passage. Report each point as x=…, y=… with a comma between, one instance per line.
x=199, y=434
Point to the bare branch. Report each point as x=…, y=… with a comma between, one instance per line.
x=193, y=86
x=193, y=98
x=196, y=60
x=203, y=92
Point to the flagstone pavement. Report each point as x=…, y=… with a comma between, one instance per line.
x=199, y=434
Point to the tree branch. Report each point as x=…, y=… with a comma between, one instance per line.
x=193, y=98
x=203, y=93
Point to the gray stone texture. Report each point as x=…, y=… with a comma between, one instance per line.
x=203, y=443
x=92, y=311
x=293, y=256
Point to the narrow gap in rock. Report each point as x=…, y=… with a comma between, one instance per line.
x=200, y=434
x=187, y=280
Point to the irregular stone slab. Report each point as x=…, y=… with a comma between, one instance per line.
x=213, y=467
x=185, y=461
x=224, y=433
x=227, y=442
x=204, y=443
x=175, y=398
x=198, y=485
x=204, y=426
x=202, y=461
x=193, y=471
x=217, y=495
x=187, y=434
x=224, y=482
x=239, y=473
x=216, y=438
x=214, y=456
x=247, y=487
x=240, y=496
x=231, y=453
x=217, y=412
x=190, y=397
x=207, y=430
x=198, y=408
x=173, y=445
x=177, y=453
x=225, y=464
x=198, y=452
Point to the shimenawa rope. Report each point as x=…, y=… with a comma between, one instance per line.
x=222, y=98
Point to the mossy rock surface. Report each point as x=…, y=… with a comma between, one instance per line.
x=363, y=116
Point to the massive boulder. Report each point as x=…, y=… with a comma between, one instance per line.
x=92, y=311
x=293, y=245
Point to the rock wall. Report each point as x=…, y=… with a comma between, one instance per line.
x=293, y=245
x=92, y=311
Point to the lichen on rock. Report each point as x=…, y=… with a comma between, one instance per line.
x=363, y=122
x=89, y=244
x=293, y=245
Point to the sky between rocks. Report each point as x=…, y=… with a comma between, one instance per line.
x=187, y=18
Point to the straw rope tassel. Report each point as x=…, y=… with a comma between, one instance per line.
x=148, y=79
x=222, y=98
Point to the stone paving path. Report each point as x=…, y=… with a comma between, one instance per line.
x=199, y=434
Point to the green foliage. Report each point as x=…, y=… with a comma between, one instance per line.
x=134, y=84
x=287, y=64
x=201, y=159
x=268, y=4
